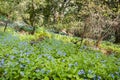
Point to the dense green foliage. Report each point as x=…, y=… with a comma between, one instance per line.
x=93, y=18
x=54, y=58
x=82, y=49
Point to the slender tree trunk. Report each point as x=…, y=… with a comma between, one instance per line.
x=99, y=41
x=116, y=27
x=33, y=31
x=102, y=36
x=117, y=36
x=32, y=19
x=83, y=34
x=5, y=26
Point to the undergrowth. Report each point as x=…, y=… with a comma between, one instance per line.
x=54, y=58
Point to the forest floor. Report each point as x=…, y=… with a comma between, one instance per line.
x=49, y=56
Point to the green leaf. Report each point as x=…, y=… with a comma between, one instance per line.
x=46, y=78
x=90, y=75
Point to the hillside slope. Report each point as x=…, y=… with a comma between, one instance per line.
x=55, y=57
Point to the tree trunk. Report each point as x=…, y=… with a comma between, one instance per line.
x=99, y=41
x=100, y=38
x=83, y=34
x=32, y=18
x=5, y=26
x=33, y=31
x=117, y=36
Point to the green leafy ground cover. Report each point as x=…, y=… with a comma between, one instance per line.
x=54, y=58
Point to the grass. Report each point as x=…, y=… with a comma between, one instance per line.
x=54, y=58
